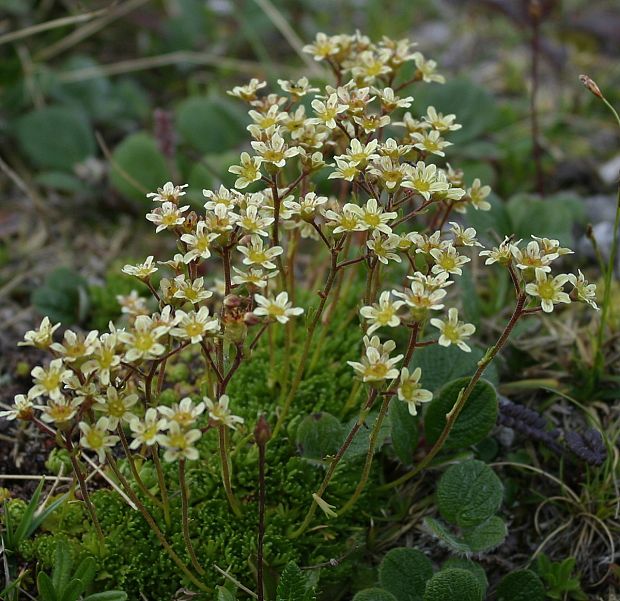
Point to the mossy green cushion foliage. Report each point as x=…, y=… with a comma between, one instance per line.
x=134, y=560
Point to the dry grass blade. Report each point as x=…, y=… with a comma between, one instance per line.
x=97, y=470
x=53, y=24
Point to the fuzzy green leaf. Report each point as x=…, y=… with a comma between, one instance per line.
x=223, y=594
x=473, y=423
x=319, y=435
x=522, y=585
x=55, y=137
x=474, y=568
x=86, y=571
x=444, y=364
x=486, y=536
x=62, y=566
x=441, y=531
x=63, y=297
x=72, y=591
x=210, y=124
x=454, y=584
x=469, y=493
x=404, y=572
x=138, y=167
x=374, y=594
x=404, y=431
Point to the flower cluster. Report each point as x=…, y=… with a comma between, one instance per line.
x=356, y=169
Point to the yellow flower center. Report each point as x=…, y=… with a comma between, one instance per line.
x=194, y=329
x=116, y=408
x=94, y=439
x=546, y=291
x=377, y=370
x=143, y=341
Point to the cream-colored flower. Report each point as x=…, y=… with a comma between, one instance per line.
x=142, y=340
x=229, y=199
x=248, y=91
x=265, y=121
x=582, y=289
x=75, y=346
x=193, y=291
x=96, y=437
x=48, y=380
x=501, y=254
x=384, y=246
x=253, y=277
x=198, y=243
x=195, y=325
x=533, y=257
x=248, y=171
x=327, y=112
x=169, y=193
x=376, y=364
x=168, y=216
x=274, y=151
x=323, y=46
x=59, y=411
x=477, y=196
x=298, y=88
x=422, y=298
x=410, y=391
x=253, y=222
x=383, y=313
x=345, y=169
x=430, y=141
x=454, y=331
x=372, y=216
x=361, y=154
x=104, y=358
x=427, y=68
x=389, y=172
x=389, y=100
x=307, y=206
x=184, y=414
x=324, y=506
x=22, y=409
x=448, y=259
x=423, y=179
x=179, y=443
x=142, y=270
x=278, y=308
x=463, y=236
x=548, y=289
x=371, y=122
x=439, y=121
x=116, y=406
x=220, y=413
x=256, y=254
x=148, y=431
x=42, y=337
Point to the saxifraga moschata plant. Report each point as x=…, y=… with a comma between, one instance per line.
x=340, y=183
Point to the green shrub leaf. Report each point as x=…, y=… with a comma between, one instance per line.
x=486, y=536
x=441, y=531
x=293, y=585
x=138, y=167
x=474, y=568
x=475, y=420
x=210, y=124
x=55, y=137
x=469, y=493
x=319, y=435
x=522, y=585
x=404, y=431
x=454, y=584
x=404, y=572
x=374, y=594
x=444, y=364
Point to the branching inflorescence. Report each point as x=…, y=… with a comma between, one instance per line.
x=337, y=171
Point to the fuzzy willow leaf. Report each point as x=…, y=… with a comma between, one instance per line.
x=404, y=572
x=292, y=585
x=469, y=493
x=475, y=569
x=374, y=594
x=473, y=423
x=404, y=431
x=487, y=535
x=454, y=584
x=441, y=531
x=318, y=435
x=522, y=585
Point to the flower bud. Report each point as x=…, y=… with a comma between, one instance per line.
x=262, y=431
x=232, y=301
x=251, y=320
x=589, y=83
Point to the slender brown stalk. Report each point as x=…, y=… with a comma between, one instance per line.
x=223, y=448
x=153, y=525
x=163, y=490
x=84, y=489
x=185, y=517
x=262, y=434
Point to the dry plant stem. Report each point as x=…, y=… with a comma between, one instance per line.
x=261, y=520
x=134, y=469
x=163, y=490
x=336, y=460
x=223, y=447
x=464, y=394
x=84, y=489
x=185, y=517
x=306, y=350
x=153, y=525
